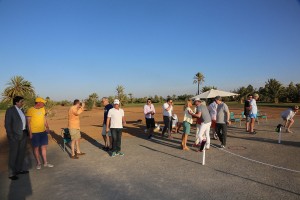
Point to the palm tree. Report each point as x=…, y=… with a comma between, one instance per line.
x=130, y=97
x=121, y=95
x=274, y=89
x=17, y=86
x=94, y=97
x=198, y=79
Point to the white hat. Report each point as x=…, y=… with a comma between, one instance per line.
x=197, y=99
x=116, y=101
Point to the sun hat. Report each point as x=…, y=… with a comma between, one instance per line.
x=40, y=100
x=116, y=101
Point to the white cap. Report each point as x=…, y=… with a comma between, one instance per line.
x=197, y=99
x=116, y=101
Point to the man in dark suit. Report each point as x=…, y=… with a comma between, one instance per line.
x=15, y=125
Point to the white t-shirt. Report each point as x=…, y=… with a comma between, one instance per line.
x=187, y=117
x=165, y=112
x=116, y=117
x=254, y=107
x=288, y=114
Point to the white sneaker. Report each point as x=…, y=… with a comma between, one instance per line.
x=39, y=166
x=48, y=165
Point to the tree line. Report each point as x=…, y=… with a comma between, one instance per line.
x=273, y=91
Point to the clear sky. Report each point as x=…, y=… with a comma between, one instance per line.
x=71, y=48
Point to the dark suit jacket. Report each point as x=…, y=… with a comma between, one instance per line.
x=13, y=124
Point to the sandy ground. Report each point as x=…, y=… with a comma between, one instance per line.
x=251, y=167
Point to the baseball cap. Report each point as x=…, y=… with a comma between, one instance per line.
x=116, y=101
x=40, y=100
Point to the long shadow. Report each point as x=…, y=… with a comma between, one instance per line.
x=227, y=173
x=58, y=139
x=22, y=188
x=171, y=155
x=265, y=184
x=264, y=140
x=91, y=140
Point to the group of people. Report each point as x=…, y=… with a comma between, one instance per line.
x=19, y=126
x=113, y=122
x=217, y=117
x=33, y=125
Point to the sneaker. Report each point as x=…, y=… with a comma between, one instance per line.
x=222, y=147
x=215, y=136
x=48, y=165
x=38, y=166
x=120, y=153
x=113, y=154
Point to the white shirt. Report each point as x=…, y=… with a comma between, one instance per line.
x=165, y=112
x=149, y=108
x=213, y=110
x=254, y=107
x=288, y=114
x=187, y=117
x=116, y=117
x=22, y=116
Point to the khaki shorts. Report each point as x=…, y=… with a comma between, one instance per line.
x=75, y=134
x=104, y=131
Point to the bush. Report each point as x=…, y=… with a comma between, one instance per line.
x=89, y=104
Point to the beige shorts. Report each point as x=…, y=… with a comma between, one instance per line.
x=75, y=134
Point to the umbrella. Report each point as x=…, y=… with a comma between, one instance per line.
x=213, y=93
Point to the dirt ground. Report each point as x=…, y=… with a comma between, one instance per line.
x=251, y=166
x=91, y=123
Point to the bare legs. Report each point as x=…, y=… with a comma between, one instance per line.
x=73, y=144
x=37, y=154
x=288, y=124
x=184, y=142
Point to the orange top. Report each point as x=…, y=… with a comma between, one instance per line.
x=74, y=112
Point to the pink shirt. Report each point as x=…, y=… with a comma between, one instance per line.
x=147, y=109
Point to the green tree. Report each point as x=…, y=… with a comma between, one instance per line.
x=121, y=94
x=94, y=98
x=207, y=88
x=274, y=89
x=198, y=79
x=290, y=93
x=244, y=92
x=17, y=86
x=130, y=97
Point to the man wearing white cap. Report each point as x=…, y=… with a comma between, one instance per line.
x=115, y=122
x=38, y=129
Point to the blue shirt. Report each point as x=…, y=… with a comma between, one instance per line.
x=106, y=109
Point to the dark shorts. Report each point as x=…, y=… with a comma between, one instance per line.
x=39, y=139
x=150, y=123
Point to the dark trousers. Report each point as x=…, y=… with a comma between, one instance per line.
x=222, y=133
x=17, y=151
x=168, y=124
x=116, y=134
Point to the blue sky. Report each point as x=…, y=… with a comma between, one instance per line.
x=71, y=48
